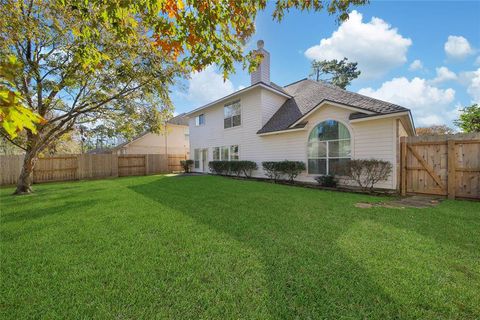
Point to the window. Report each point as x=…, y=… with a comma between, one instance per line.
x=200, y=120
x=233, y=152
x=187, y=134
x=196, y=158
x=216, y=153
x=329, y=148
x=232, y=117
x=226, y=153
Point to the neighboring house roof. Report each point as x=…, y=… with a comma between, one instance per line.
x=180, y=120
x=99, y=151
x=307, y=94
x=270, y=86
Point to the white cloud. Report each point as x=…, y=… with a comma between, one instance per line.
x=457, y=47
x=477, y=61
x=375, y=45
x=429, y=104
x=416, y=65
x=443, y=74
x=472, y=80
x=207, y=85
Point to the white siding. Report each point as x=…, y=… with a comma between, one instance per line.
x=370, y=139
x=270, y=103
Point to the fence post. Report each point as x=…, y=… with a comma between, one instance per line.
x=147, y=169
x=114, y=161
x=451, y=169
x=77, y=172
x=403, y=165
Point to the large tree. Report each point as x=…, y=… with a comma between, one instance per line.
x=434, y=130
x=469, y=119
x=337, y=72
x=81, y=61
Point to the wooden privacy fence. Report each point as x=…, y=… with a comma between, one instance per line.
x=446, y=165
x=89, y=166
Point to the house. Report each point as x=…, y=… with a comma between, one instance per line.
x=173, y=140
x=314, y=122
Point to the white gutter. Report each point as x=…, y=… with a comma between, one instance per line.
x=281, y=131
x=395, y=114
x=232, y=95
x=335, y=104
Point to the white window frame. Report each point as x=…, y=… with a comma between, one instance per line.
x=196, y=158
x=327, y=149
x=327, y=158
x=229, y=153
x=217, y=149
x=198, y=123
x=229, y=105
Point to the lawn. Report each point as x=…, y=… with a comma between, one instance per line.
x=210, y=247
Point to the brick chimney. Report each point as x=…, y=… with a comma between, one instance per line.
x=262, y=74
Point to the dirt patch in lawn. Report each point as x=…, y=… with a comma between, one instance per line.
x=409, y=202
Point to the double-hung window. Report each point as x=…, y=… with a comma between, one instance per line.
x=200, y=120
x=216, y=153
x=234, y=152
x=226, y=153
x=232, y=115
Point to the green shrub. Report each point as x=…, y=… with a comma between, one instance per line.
x=236, y=168
x=367, y=172
x=276, y=169
x=219, y=167
x=291, y=168
x=271, y=169
x=186, y=165
x=248, y=167
x=327, y=181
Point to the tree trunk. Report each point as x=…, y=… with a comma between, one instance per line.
x=25, y=180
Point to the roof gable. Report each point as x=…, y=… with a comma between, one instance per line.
x=308, y=94
x=271, y=86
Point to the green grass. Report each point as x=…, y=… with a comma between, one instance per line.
x=209, y=247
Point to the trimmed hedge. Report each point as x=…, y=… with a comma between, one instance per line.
x=367, y=172
x=276, y=169
x=219, y=167
x=236, y=168
x=327, y=181
x=271, y=169
x=187, y=165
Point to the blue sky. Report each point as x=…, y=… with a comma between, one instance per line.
x=385, y=38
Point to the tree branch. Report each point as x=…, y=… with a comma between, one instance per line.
x=12, y=142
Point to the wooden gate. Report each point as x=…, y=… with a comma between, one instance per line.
x=58, y=168
x=445, y=165
x=132, y=165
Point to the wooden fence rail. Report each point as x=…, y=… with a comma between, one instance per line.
x=446, y=165
x=89, y=166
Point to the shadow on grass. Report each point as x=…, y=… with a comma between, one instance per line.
x=64, y=208
x=295, y=231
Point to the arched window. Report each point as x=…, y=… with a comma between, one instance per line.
x=329, y=148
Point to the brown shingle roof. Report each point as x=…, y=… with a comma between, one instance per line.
x=181, y=120
x=307, y=94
